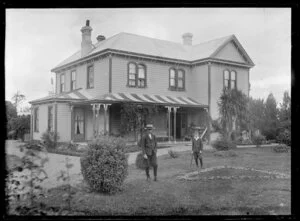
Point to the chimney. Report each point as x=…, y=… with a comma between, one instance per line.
x=86, y=43
x=100, y=38
x=187, y=38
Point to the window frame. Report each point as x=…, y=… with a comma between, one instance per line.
x=145, y=75
x=136, y=75
x=176, y=78
x=183, y=80
x=50, y=121
x=36, y=119
x=235, y=80
x=230, y=79
x=129, y=73
x=62, y=86
x=71, y=80
x=88, y=86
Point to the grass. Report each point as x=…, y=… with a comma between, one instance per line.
x=170, y=196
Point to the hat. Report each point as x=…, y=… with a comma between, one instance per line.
x=149, y=127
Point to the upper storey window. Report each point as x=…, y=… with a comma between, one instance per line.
x=73, y=80
x=229, y=79
x=62, y=83
x=136, y=75
x=176, y=79
x=90, y=76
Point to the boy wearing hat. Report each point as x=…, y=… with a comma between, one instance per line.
x=149, y=149
x=197, y=146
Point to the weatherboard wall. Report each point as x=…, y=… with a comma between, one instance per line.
x=157, y=77
x=217, y=84
x=101, y=76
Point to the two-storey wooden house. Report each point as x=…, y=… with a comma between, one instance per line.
x=185, y=79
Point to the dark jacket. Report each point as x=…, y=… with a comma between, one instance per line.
x=197, y=145
x=148, y=145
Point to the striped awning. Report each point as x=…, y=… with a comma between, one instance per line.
x=76, y=95
x=150, y=99
x=82, y=96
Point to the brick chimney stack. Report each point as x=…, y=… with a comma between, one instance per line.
x=187, y=38
x=86, y=43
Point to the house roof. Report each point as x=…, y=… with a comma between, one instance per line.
x=133, y=43
x=81, y=95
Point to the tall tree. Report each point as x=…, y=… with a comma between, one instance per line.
x=271, y=122
x=11, y=113
x=18, y=98
x=233, y=109
x=256, y=108
x=285, y=112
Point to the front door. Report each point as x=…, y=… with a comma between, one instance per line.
x=79, y=125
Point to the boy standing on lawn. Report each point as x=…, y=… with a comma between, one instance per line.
x=197, y=147
x=149, y=149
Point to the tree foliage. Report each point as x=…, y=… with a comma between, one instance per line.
x=271, y=121
x=233, y=108
x=134, y=117
x=18, y=98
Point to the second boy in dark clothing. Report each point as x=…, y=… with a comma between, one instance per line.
x=197, y=147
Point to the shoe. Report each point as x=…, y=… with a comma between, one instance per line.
x=155, y=179
x=148, y=178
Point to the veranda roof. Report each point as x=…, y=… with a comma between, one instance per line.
x=76, y=95
x=82, y=96
x=148, y=99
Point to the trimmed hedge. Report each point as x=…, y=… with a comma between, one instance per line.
x=104, y=166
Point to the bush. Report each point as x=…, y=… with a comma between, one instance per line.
x=104, y=166
x=216, y=126
x=50, y=139
x=140, y=161
x=258, y=139
x=281, y=148
x=223, y=144
x=173, y=154
x=235, y=135
x=284, y=137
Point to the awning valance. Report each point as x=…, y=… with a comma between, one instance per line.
x=82, y=96
x=147, y=98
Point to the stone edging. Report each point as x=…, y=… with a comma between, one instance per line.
x=271, y=174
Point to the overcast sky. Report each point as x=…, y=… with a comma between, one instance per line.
x=39, y=39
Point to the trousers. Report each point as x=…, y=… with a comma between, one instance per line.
x=198, y=155
x=151, y=161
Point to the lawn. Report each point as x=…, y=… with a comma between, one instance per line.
x=171, y=196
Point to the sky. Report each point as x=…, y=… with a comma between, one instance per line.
x=38, y=39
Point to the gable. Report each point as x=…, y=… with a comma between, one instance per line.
x=230, y=52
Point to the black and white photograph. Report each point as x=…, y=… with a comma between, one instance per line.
x=148, y=111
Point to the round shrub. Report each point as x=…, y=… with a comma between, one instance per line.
x=173, y=154
x=258, y=139
x=284, y=137
x=140, y=161
x=50, y=139
x=223, y=144
x=282, y=148
x=104, y=166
